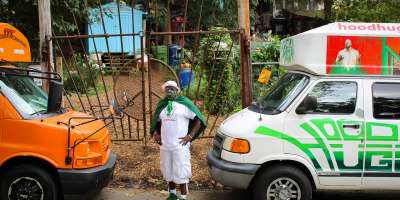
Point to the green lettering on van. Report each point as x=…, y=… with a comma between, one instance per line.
x=330, y=137
x=379, y=161
x=339, y=158
x=303, y=147
x=375, y=131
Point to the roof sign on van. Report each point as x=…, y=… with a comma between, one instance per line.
x=14, y=47
x=345, y=49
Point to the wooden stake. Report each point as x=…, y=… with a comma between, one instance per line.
x=46, y=49
x=245, y=60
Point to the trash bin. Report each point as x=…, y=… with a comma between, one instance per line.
x=184, y=75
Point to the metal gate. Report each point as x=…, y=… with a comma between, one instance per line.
x=134, y=79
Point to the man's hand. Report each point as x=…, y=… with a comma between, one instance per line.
x=185, y=140
x=157, y=138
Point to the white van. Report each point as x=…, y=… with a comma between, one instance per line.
x=330, y=123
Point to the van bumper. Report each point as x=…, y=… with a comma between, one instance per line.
x=86, y=183
x=235, y=175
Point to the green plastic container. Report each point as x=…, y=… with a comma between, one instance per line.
x=162, y=53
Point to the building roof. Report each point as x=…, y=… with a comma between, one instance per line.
x=113, y=7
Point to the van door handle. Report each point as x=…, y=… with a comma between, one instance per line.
x=354, y=126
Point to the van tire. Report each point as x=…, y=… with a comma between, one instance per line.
x=41, y=182
x=288, y=175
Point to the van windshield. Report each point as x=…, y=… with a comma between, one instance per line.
x=24, y=94
x=283, y=93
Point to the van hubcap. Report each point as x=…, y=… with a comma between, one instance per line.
x=25, y=188
x=283, y=189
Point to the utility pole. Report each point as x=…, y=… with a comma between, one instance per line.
x=46, y=49
x=244, y=16
x=245, y=61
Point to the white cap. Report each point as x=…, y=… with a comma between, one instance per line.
x=172, y=84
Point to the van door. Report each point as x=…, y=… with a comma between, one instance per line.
x=382, y=120
x=331, y=130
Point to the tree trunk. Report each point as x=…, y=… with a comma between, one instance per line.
x=168, y=38
x=328, y=9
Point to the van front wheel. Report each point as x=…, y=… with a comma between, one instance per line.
x=282, y=183
x=27, y=182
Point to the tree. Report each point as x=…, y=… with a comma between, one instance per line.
x=366, y=10
x=213, y=13
x=328, y=9
x=23, y=14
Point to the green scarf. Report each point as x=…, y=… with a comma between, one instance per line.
x=169, y=107
x=168, y=103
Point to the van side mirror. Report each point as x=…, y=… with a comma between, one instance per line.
x=55, y=96
x=309, y=104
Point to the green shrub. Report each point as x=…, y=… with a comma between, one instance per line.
x=218, y=73
x=87, y=77
x=228, y=99
x=266, y=50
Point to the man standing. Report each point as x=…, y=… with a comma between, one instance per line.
x=348, y=60
x=175, y=124
x=348, y=56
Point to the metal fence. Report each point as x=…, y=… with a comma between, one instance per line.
x=134, y=80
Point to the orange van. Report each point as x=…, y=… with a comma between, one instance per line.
x=48, y=152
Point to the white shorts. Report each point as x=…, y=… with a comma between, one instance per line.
x=175, y=165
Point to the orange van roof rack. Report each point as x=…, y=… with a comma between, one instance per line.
x=29, y=72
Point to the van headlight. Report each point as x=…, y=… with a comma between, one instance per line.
x=85, y=157
x=236, y=145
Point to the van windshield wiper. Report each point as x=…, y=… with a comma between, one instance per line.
x=39, y=112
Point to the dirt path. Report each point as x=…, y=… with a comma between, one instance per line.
x=133, y=194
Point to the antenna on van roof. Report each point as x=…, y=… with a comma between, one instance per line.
x=258, y=103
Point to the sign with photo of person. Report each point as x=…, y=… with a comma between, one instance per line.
x=345, y=49
x=363, y=55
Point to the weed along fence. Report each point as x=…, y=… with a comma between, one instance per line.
x=206, y=64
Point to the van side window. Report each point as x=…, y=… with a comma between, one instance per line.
x=386, y=100
x=334, y=97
